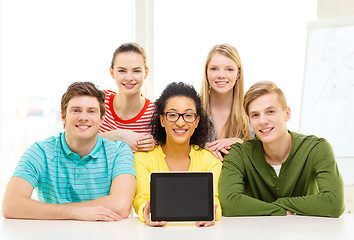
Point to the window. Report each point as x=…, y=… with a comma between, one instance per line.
x=45, y=46
x=270, y=37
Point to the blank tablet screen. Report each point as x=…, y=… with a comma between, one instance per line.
x=182, y=196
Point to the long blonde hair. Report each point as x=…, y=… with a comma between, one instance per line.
x=237, y=124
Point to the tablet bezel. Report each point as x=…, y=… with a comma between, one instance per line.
x=210, y=211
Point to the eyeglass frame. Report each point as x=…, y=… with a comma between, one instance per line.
x=182, y=114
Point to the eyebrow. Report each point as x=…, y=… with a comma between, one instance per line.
x=118, y=67
x=73, y=107
x=267, y=108
x=228, y=66
x=175, y=110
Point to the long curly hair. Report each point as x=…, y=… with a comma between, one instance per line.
x=174, y=89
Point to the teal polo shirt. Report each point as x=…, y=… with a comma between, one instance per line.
x=61, y=176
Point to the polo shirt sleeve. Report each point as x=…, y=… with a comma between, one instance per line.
x=329, y=202
x=124, y=160
x=31, y=165
x=234, y=201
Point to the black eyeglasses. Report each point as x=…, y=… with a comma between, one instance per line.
x=187, y=117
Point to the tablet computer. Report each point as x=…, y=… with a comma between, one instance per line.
x=181, y=196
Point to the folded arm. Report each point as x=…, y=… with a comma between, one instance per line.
x=136, y=141
x=235, y=202
x=329, y=202
x=17, y=203
x=119, y=199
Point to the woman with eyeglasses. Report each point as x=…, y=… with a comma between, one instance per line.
x=180, y=127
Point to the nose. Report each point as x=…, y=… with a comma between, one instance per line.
x=83, y=116
x=263, y=119
x=221, y=74
x=180, y=121
x=129, y=75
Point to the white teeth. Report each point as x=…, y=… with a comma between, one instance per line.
x=266, y=130
x=221, y=83
x=83, y=127
x=180, y=131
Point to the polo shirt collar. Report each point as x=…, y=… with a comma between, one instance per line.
x=93, y=154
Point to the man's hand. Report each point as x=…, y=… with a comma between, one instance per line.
x=96, y=213
x=290, y=213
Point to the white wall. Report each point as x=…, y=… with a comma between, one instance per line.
x=45, y=46
x=49, y=44
x=335, y=8
x=269, y=35
x=332, y=9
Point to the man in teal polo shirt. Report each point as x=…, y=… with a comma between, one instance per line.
x=78, y=175
x=279, y=172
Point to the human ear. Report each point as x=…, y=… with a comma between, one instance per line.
x=111, y=71
x=197, y=121
x=288, y=113
x=162, y=121
x=146, y=72
x=63, y=118
x=102, y=118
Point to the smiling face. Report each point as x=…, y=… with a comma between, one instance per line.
x=222, y=73
x=268, y=118
x=129, y=72
x=180, y=131
x=82, y=119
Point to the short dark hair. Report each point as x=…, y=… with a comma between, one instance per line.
x=83, y=89
x=174, y=89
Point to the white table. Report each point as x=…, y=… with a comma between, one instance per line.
x=284, y=228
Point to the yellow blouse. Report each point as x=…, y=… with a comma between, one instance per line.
x=154, y=161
